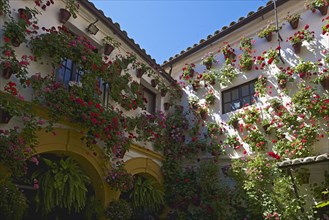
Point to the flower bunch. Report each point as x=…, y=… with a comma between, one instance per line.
x=246, y=43
x=210, y=77
x=119, y=209
x=251, y=115
x=245, y=61
x=119, y=179
x=260, y=86
x=292, y=17
x=188, y=71
x=302, y=35
x=227, y=73
x=202, y=111
x=315, y=4
x=232, y=141
x=228, y=51
x=256, y=141
x=267, y=31
x=305, y=68
x=214, y=129
x=208, y=60
x=325, y=27
x=282, y=78
x=210, y=97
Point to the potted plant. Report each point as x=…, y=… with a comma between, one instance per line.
x=71, y=9
x=297, y=39
x=194, y=102
x=325, y=27
x=154, y=82
x=246, y=43
x=109, y=45
x=305, y=68
x=4, y=116
x=4, y=7
x=228, y=51
x=272, y=56
x=14, y=32
x=208, y=60
x=245, y=61
x=267, y=32
x=321, y=5
x=119, y=209
x=188, y=71
x=293, y=20
x=266, y=126
x=234, y=120
x=119, y=179
x=250, y=115
x=209, y=77
x=214, y=129
x=202, y=111
x=283, y=78
x=227, y=73
x=210, y=97
x=166, y=106
x=196, y=84
x=256, y=141
x=232, y=141
x=260, y=86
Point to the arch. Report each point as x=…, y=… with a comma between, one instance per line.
x=144, y=165
x=93, y=161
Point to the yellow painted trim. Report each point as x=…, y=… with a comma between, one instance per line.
x=92, y=161
x=146, y=151
x=144, y=165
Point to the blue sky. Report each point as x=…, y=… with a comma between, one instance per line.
x=164, y=28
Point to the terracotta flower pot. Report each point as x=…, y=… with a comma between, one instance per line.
x=325, y=83
x=297, y=47
x=166, y=106
x=163, y=92
x=7, y=72
x=208, y=66
x=323, y=9
x=230, y=56
x=108, y=48
x=139, y=73
x=294, y=24
x=154, y=82
x=235, y=124
x=4, y=116
x=204, y=115
x=269, y=37
x=64, y=15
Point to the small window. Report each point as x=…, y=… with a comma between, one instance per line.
x=150, y=98
x=238, y=97
x=69, y=72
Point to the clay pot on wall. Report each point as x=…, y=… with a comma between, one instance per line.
x=108, y=48
x=323, y=9
x=154, y=82
x=325, y=83
x=294, y=24
x=166, y=106
x=6, y=72
x=139, y=73
x=163, y=92
x=269, y=37
x=64, y=15
x=297, y=47
x=4, y=116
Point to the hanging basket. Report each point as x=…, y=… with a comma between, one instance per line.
x=297, y=47
x=164, y=92
x=108, y=48
x=154, y=82
x=64, y=15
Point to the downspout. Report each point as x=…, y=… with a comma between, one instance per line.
x=277, y=30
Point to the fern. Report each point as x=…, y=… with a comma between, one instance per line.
x=62, y=185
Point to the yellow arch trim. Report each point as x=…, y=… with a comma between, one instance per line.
x=92, y=161
x=144, y=165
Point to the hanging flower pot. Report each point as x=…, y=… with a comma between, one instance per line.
x=203, y=115
x=64, y=15
x=164, y=92
x=108, y=48
x=235, y=124
x=139, y=73
x=297, y=47
x=7, y=72
x=4, y=116
x=325, y=83
x=323, y=9
x=166, y=106
x=24, y=14
x=268, y=37
x=154, y=82
x=294, y=24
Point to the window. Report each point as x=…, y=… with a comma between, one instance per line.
x=68, y=72
x=150, y=100
x=238, y=97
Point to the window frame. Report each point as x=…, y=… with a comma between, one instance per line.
x=240, y=95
